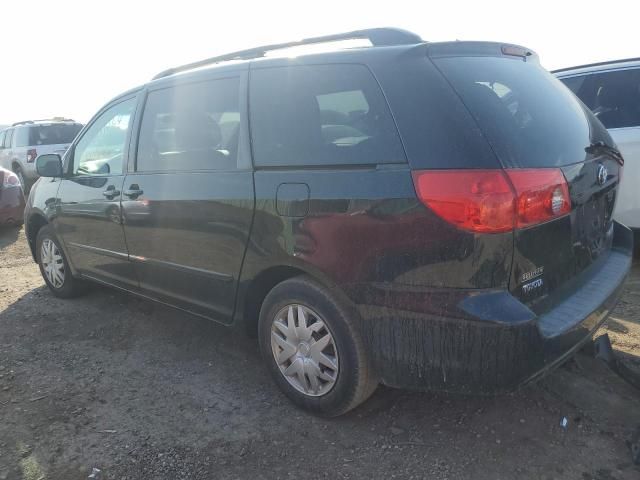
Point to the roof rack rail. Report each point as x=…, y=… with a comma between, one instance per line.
x=57, y=119
x=597, y=64
x=377, y=37
x=54, y=119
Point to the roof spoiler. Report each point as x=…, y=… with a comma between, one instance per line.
x=377, y=37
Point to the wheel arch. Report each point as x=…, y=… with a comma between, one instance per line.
x=15, y=165
x=253, y=291
x=33, y=225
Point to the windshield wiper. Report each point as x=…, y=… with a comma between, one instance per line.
x=600, y=146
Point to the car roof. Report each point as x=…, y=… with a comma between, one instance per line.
x=385, y=43
x=598, y=67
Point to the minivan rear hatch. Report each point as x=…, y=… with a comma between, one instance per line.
x=546, y=139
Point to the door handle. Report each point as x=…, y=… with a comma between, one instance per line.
x=133, y=192
x=111, y=192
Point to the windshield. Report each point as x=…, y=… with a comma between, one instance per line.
x=529, y=117
x=53, y=134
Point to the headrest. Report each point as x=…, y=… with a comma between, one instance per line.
x=195, y=130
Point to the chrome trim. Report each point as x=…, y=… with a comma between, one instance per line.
x=101, y=251
x=185, y=268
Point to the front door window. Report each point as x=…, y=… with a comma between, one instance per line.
x=101, y=149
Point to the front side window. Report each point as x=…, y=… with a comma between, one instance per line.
x=614, y=97
x=101, y=149
x=22, y=136
x=190, y=127
x=2, y=133
x=321, y=115
x=7, y=138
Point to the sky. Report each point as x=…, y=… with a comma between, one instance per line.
x=68, y=58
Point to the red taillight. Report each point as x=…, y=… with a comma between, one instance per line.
x=541, y=194
x=477, y=200
x=11, y=180
x=32, y=154
x=494, y=201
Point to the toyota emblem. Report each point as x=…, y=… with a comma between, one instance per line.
x=602, y=175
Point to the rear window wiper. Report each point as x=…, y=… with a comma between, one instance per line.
x=600, y=146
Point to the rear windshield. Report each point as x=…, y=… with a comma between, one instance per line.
x=529, y=118
x=53, y=134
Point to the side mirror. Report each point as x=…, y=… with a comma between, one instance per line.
x=49, y=165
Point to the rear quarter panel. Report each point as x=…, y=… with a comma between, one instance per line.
x=365, y=227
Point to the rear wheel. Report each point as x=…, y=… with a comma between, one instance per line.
x=23, y=181
x=54, y=266
x=313, y=351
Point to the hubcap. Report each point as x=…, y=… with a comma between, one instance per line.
x=52, y=263
x=304, y=350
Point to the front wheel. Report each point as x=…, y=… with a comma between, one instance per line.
x=312, y=348
x=54, y=266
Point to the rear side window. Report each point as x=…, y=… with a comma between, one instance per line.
x=2, y=133
x=191, y=127
x=22, y=137
x=574, y=84
x=54, y=134
x=321, y=115
x=614, y=97
x=528, y=116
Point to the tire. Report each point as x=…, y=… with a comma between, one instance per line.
x=69, y=287
x=333, y=391
x=23, y=181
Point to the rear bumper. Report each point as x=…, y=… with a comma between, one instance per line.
x=11, y=205
x=483, y=341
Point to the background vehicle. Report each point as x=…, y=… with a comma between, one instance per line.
x=426, y=215
x=24, y=141
x=11, y=199
x=612, y=91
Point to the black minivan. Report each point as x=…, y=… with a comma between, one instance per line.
x=423, y=215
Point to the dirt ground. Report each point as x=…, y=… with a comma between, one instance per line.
x=140, y=391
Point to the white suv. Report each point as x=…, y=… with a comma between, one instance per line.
x=612, y=91
x=21, y=143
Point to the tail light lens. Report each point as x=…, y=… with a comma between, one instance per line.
x=32, y=154
x=10, y=180
x=478, y=200
x=494, y=201
x=541, y=195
